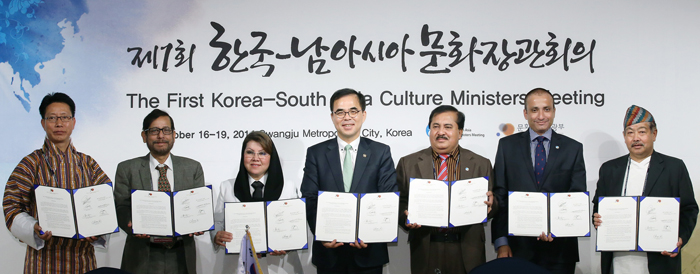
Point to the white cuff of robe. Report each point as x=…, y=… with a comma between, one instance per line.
x=23, y=229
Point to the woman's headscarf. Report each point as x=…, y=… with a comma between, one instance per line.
x=275, y=179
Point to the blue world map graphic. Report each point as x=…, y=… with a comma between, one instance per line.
x=30, y=35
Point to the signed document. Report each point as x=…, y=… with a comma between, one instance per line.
x=467, y=202
x=618, y=232
x=54, y=208
x=569, y=214
x=93, y=206
x=527, y=213
x=286, y=225
x=151, y=213
x=658, y=224
x=428, y=202
x=336, y=217
x=193, y=210
x=94, y=210
x=239, y=215
x=378, y=217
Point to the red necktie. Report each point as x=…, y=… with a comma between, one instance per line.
x=442, y=172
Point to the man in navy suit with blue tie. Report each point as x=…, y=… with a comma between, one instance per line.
x=537, y=160
x=348, y=163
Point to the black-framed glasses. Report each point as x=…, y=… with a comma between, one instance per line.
x=154, y=131
x=54, y=119
x=251, y=154
x=341, y=114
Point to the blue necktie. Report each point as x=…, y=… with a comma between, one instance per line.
x=540, y=159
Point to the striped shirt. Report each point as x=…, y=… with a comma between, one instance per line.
x=49, y=166
x=452, y=161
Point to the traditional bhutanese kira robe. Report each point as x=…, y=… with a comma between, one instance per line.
x=49, y=167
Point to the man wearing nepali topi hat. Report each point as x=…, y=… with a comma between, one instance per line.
x=645, y=172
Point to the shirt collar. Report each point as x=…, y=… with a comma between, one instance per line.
x=262, y=180
x=154, y=163
x=51, y=150
x=355, y=144
x=534, y=135
x=454, y=153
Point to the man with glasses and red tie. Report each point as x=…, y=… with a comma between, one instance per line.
x=159, y=170
x=348, y=163
x=444, y=250
x=537, y=160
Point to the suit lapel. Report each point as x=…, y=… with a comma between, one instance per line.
x=333, y=158
x=145, y=173
x=656, y=166
x=526, y=158
x=361, y=160
x=425, y=165
x=618, y=173
x=465, y=170
x=178, y=174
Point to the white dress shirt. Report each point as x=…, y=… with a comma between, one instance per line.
x=632, y=262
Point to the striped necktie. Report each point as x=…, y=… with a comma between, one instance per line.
x=442, y=172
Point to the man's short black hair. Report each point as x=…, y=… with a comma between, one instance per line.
x=446, y=108
x=539, y=91
x=155, y=114
x=348, y=91
x=56, y=97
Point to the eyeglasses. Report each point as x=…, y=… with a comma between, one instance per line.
x=251, y=154
x=54, y=119
x=154, y=131
x=341, y=114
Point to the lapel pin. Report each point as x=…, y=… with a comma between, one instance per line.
x=466, y=169
x=364, y=155
x=557, y=147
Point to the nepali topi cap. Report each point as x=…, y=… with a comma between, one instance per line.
x=637, y=114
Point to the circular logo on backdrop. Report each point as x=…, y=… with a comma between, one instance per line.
x=506, y=129
x=427, y=130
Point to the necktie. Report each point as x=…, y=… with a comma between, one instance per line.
x=347, y=168
x=442, y=172
x=258, y=190
x=540, y=159
x=163, y=184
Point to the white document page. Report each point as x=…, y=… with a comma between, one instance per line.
x=286, y=225
x=194, y=210
x=428, y=202
x=527, y=213
x=618, y=232
x=569, y=214
x=55, y=211
x=658, y=224
x=336, y=217
x=95, y=211
x=237, y=216
x=151, y=213
x=379, y=217
x=467, y=199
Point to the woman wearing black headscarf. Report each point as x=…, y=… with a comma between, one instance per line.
x=259, y=178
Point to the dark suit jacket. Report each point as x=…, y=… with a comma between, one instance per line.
x=667, y=177
x=565, y=171
x=420, y=165
x=136, y=174
x=374, y=172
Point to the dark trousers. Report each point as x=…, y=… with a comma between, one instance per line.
x=167, y=261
